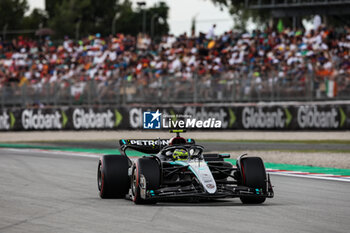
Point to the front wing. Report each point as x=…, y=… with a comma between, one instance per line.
x=190, y=191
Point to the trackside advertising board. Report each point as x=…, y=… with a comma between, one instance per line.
x=224, y=117
x=61, y=119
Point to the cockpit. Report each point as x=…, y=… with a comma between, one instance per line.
x=181, y=152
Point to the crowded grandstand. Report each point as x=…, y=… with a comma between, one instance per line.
x=269, y=65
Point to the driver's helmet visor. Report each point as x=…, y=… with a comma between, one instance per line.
x=180, y=154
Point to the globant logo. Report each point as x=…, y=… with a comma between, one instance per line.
x=259, y=118
x=311, y=117
x=91, y=120
x=39, y=120
x=155, y=120
x=4, y=121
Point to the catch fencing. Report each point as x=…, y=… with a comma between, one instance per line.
x=230, y=87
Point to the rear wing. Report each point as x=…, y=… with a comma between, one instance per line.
x=151, y=146
x=150, y=142
x=144, y=142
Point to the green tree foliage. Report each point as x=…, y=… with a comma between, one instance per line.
x=160, y=14
x=12, y=13
x=241, y=15
x=85, y=17
x=130, y=21
x=38, y=18
x=77, y=18
x=50, y=6
x=65, y=18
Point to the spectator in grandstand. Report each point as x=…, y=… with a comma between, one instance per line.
x=262, y=64
x=211, y=34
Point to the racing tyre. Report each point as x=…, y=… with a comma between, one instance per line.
x=253, y=176
x=148, y=168
x=112, y=176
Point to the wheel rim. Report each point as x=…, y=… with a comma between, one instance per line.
x=133, y=187
x=99, y=177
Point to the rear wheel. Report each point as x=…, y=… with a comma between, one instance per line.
x=253, y=176
x=150, y=170
x=112, y=176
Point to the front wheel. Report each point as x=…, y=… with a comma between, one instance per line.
x=253, y=175
x=150, y=170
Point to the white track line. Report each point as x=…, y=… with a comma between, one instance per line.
x=64, y=153
x=311, y=177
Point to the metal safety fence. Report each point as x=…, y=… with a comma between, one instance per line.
x=232, y=86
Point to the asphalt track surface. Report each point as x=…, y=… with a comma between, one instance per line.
x=51, y=192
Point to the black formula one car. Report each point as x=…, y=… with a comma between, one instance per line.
x=178, y=169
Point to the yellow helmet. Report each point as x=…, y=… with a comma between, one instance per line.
x=180, y=154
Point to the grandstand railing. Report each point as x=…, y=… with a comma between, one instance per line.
x=169, y=89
